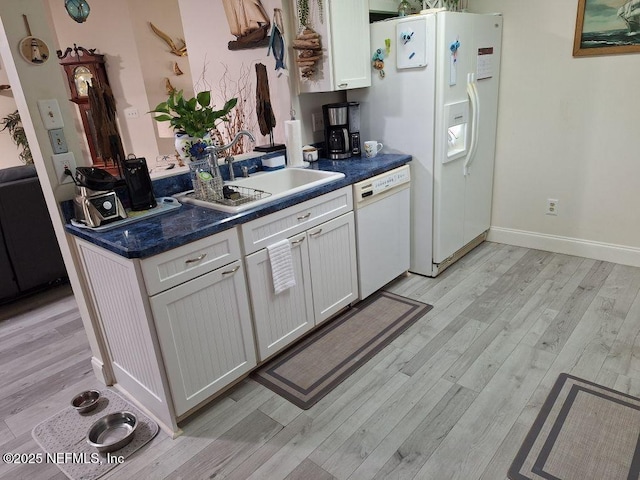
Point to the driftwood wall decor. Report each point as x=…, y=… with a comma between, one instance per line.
x=248, y=22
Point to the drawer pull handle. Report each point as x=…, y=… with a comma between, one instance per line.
x=233, y=270
x=316, y=233
x=342, y=85
x=297, y=242
x=305, y=216
x=197, y=259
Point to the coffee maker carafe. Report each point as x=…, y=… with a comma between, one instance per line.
x=336, y=130
x=342, y=129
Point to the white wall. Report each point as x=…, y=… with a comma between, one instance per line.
x=8, y=149
x=155, y=59
x=109, y=29
x=567, y=129
x=207, y=35
x=29, y=84
x=138, y=61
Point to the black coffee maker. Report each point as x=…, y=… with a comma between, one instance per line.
x=341, y=140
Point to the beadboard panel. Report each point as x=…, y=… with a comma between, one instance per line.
x=270, y=229
x=280, y=319
x=205, y=334
x=332, y=254
x=124, y=319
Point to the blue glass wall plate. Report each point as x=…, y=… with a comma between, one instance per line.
x=77, y=9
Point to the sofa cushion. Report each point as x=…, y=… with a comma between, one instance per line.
x=17, y=173
x=28, y=233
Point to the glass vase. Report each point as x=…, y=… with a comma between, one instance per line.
x=404, y=8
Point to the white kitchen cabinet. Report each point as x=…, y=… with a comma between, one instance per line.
x=174, y=349
x=205, y=334
x=346, y=47
x=280, y=319
x=325, y=269
x=384, y=6
x=332, y=257
x=267, y=230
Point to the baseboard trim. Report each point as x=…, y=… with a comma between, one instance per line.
x=99, y=371
x=570, y=246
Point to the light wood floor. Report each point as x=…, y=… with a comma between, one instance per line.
x=451, y=398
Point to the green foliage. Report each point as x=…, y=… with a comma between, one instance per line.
x=195, y=116
x=13, y=123
x=303, y=12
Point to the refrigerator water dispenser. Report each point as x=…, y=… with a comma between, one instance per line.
x=457, y=122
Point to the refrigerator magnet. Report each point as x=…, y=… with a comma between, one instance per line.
x=377, y=62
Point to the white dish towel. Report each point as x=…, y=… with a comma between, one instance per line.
x=281, y=266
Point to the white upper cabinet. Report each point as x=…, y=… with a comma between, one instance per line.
x=343, y=28
x=384, y=6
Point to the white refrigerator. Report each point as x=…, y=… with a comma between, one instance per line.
x=436, y=98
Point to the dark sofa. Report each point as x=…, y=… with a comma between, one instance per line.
x=30, y=258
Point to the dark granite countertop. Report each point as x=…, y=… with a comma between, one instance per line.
x=188, y=223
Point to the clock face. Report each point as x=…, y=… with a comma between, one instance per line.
x=82, y=77
x=77, y=9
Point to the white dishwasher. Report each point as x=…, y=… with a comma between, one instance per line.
x=382, y=206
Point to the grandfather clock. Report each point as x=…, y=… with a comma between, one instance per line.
x=82, y=69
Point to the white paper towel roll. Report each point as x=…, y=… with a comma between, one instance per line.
x=293, y=141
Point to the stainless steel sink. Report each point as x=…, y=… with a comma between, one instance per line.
x=277, y=184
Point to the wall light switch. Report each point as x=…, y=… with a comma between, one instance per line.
x=58, y=142
x=50, y=114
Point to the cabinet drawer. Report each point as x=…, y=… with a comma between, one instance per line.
x=267, y=230
x=176, y=266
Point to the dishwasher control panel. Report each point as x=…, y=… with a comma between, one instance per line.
x=381, y=183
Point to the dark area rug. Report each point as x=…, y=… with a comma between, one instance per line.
x=584, y=432
x=309, y=370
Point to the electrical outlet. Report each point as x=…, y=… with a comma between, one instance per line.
x=317, y=122
x=62, y=160
x=552, y=206
x=131, y=112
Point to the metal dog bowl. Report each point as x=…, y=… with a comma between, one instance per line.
x=85, y=401
x=112, y=431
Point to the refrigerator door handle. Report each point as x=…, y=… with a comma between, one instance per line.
x=472, y=91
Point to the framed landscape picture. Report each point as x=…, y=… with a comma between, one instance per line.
x=607, y=27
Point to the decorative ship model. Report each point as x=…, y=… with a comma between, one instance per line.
x=630, y=13
x=248, y=22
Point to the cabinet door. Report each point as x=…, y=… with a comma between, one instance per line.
x=280, y=319
x=384, y=6
x=205, y=334
x=332, y=256
x=350, y=44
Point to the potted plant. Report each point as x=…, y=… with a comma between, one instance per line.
x=13, y=123
x=192, y=120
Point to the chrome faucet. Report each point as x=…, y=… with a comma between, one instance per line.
x=229, y=161
x=213, y=151
x=236, y=138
